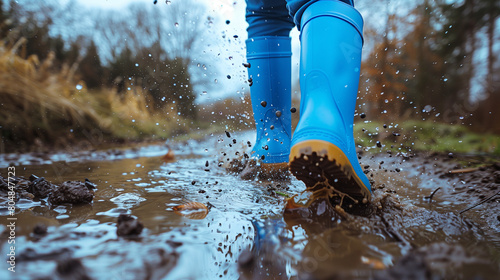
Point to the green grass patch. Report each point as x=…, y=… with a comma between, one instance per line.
x=413, y=135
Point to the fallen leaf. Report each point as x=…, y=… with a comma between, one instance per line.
x=374, y=263
x=192, y=210
x=169, y=156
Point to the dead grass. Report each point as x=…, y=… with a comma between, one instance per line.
x=41, y=106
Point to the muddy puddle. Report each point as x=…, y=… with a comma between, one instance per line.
x=228, y=228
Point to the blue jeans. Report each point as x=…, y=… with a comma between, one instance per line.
x=276, y=17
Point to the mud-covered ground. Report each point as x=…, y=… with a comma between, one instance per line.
x=138, y=214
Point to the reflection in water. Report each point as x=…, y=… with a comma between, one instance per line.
x=244, y=233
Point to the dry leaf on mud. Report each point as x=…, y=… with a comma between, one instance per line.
x=374, y=263
x=169, y=156
x=192, y=210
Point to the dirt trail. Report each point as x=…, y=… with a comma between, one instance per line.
x=244, y=232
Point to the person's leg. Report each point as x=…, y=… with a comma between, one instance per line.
x=269, y=57
x=323, y=151
x=268, y=18
x=297, y=7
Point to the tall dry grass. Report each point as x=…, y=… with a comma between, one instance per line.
x=40, y=105
x=33, y=99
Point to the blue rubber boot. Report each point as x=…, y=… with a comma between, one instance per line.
x=270, y=79
x=323, y=153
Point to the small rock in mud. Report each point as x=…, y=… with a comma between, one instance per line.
x=128, y=226
x=73, y=192
x=40, y=229
x=71, y=269
x=40, y=187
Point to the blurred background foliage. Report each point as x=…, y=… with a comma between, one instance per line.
x=430, y=71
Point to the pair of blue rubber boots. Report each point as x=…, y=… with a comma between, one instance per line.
x=322, y=150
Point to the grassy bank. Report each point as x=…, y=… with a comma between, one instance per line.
x=41, y=108
x=416, y=135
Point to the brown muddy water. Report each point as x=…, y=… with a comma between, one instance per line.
x=247, y=234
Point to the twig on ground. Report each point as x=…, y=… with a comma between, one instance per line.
x=432, y=194
x=464, y=170
x=479, y=203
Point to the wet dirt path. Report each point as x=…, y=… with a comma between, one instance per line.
x=403, y=235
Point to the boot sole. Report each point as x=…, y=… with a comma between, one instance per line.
x=320, y=164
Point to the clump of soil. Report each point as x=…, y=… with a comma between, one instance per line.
x=128, y=226
x=40, y=187
x=73, y=192
x=40, y=230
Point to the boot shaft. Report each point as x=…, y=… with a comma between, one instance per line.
x=270, y=79
x=330, y=62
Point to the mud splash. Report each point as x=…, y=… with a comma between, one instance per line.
x=245, y=232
